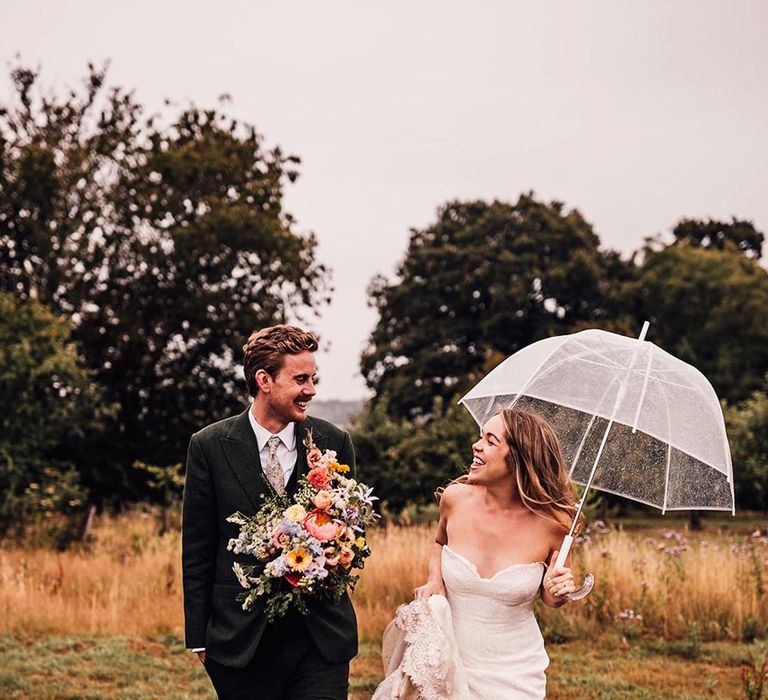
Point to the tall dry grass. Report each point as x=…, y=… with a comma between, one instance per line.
x=128, y=582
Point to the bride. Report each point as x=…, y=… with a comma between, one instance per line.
x=498, y=526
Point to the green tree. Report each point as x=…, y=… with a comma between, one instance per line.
x=480, y=283
x=709, y=307
x=166, y=244
x=748, y=433
x=50, y=407
x=721, y=234
x=407, y=461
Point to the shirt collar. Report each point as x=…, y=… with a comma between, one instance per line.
x=287, y=435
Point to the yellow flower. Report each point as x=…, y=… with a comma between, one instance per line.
x=296, y=513
x=344, y=538
x=360, y=542
x=341, y=468
x=298, y=559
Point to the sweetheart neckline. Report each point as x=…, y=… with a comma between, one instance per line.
x=473, y=567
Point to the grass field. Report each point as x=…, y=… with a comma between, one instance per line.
x=673, y=615
x=139, y=668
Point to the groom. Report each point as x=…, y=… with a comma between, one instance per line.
x=232, y=466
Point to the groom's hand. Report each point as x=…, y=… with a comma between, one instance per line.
x=201, y=656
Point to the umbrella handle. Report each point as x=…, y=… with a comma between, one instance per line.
x=584, y=591
x=589, y=579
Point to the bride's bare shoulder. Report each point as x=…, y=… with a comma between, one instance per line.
x=455, y=493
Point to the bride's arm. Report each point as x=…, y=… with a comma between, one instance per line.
x=557, y=582
x=434, y=584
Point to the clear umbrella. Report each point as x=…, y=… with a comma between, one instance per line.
x=632, y=419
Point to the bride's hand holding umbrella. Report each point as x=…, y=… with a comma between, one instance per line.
x=558, y=583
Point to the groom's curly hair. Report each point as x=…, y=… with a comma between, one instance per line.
x=266, y=349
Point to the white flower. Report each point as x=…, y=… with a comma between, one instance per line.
x=241, y=577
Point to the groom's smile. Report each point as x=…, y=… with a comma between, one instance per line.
x=292, y=388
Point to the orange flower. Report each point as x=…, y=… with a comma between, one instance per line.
x=319, y=477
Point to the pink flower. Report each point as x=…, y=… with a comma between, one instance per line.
x=322, y=500
x=320, y=526
x=280, y=539
x=319, y=477
x=346, y=556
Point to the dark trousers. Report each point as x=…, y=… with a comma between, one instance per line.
x=287, y=666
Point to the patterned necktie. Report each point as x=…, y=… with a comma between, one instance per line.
x=274, y=470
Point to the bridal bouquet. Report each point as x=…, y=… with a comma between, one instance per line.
x=308, y=545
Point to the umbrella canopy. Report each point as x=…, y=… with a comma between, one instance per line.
x=631, y=418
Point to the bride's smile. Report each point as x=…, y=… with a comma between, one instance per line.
x=489, y=462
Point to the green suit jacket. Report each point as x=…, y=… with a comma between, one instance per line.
x=224, y=475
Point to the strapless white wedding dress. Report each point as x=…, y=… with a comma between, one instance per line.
x=482, y=644
x=498, y=638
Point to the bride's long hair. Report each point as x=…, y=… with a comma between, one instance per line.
x=537, y=463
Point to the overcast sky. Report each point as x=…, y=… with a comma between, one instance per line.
x=635, y=112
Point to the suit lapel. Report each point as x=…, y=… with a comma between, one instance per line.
x=242, y=453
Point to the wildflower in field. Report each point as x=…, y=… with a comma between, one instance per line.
x=630, y=615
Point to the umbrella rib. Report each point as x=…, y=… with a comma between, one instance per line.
x=541, y=364
x=556, y=365
x=582, y=443
x=589, y=429
x=642, y=392
x=592, y=351
x=669, y=456
x=690, y=387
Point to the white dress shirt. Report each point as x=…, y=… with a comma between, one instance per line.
x=287, y=453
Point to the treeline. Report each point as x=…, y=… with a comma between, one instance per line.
x=488, y=278
x=137, y=253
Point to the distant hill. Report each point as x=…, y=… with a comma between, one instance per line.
x=336, y=411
